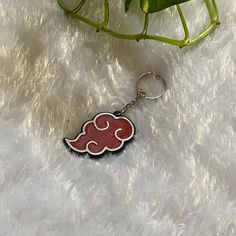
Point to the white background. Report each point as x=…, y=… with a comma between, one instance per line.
x=176, y=178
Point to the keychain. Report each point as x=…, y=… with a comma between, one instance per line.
x=110, y=132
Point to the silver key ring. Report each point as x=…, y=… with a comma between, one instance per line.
x=154, y=76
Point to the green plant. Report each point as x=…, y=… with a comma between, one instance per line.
x=151, y=6
x=148, y=7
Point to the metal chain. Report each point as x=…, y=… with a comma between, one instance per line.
x=140, y=94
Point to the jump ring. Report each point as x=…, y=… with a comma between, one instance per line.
x=155, y=76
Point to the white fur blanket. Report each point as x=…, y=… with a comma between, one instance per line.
x=176, y=178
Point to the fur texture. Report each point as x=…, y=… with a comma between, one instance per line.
x=176, y=178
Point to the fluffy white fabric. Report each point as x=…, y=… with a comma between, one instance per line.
x=176, y=178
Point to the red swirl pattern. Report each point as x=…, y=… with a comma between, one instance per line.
x=104, y=132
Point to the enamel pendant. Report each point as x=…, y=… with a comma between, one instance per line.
x=109, y=132
x=105, y=132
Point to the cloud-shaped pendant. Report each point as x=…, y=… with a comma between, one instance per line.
x=106, y=132
x=110, y=132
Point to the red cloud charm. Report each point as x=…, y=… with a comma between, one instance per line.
x=106, y=132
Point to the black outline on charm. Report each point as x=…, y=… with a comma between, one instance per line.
x=116, y=114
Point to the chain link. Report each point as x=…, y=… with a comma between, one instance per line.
x=140, y=94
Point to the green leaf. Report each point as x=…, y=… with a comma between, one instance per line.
x=150, y=6
x=127, y=4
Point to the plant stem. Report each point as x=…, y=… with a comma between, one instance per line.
x=184, y=24
x=211, y=5
x=146, y=21
x=77, y=9
x=214, y=15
